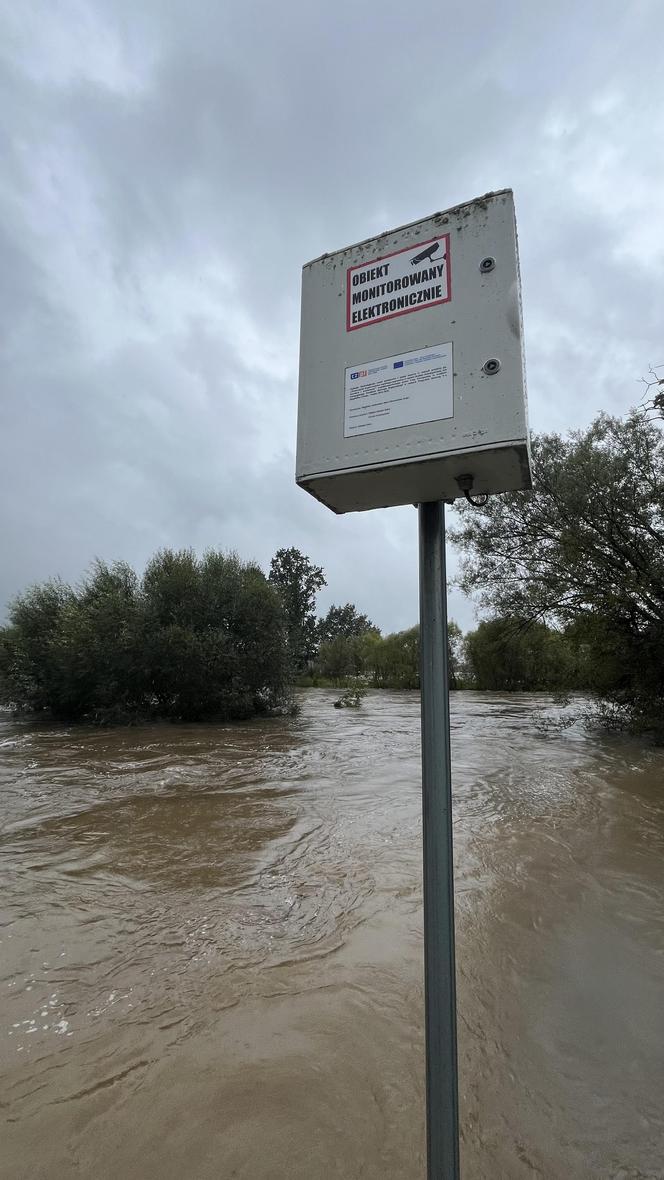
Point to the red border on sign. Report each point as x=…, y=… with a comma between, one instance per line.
x=407, y=310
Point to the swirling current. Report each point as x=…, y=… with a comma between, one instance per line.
x=211, y=947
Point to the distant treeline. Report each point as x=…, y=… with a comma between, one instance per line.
x=390, y=661
x=506, y=655
x=571, y=575
x=213, y=637
x=191, y=639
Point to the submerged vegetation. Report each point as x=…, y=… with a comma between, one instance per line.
x=352, y=698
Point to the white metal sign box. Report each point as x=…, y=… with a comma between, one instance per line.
x=411, y=363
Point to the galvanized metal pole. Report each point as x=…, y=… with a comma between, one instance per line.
x=439, y=963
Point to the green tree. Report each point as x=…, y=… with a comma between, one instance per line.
x=97, y=645
x=395, y=660
x=343, y=647
x=455, y=654
x=192, y=639
x=344, y=622
x=29, y=662
x=215, y=635
x=517, y=656
x=347, y=656
x=337, y=659
x=392, y=661
x=297, y=581
x=585, y=544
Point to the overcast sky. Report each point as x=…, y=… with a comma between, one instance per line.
x=166, y=168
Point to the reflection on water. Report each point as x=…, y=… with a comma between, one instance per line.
x=210, y=959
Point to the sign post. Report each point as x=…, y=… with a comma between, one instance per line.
x=412, y=391
x=439, y=969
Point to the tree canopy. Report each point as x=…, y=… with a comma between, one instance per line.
x=584, y=548
x=384, y=661
x=194, y=638
x=344, y=622
x=297, y=581
x=511, y=655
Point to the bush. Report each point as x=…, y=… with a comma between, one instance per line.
x=193, y=639
x=352, y=698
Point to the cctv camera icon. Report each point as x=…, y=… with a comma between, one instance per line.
x=426, y=255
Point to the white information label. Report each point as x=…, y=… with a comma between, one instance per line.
x=400, y=390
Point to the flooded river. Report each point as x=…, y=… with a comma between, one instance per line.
x=211, y=959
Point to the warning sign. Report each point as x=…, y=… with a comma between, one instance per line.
x=396, y=284
x=400, y=390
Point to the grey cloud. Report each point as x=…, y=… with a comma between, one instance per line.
x=168, y=168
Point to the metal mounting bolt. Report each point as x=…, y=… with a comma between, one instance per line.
x=487, y=264
x=491, y=366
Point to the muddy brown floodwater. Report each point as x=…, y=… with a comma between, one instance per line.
x=211, y=956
